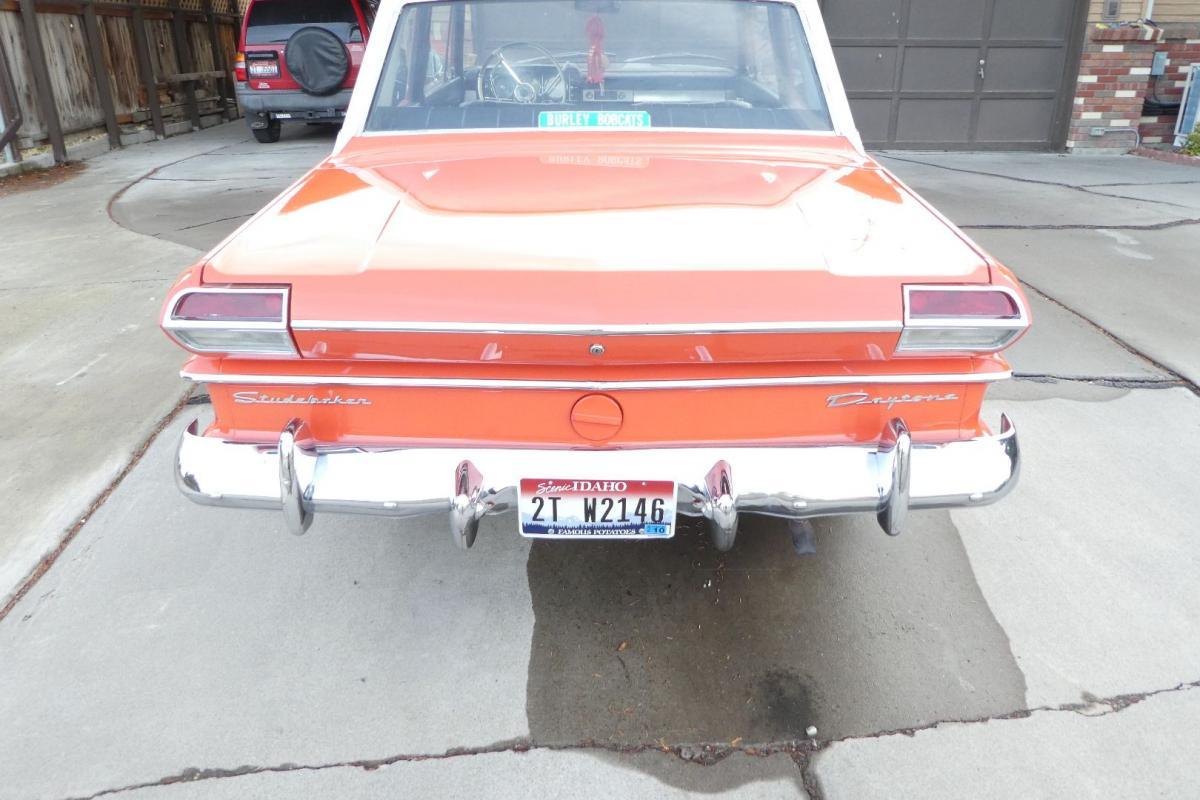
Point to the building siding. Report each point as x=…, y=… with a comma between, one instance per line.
x=1164, y=10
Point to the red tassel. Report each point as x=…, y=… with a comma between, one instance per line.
x=597, y=61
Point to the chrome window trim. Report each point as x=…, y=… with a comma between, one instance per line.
x=386, y=23
x=1016, y=326
x=591, y=386
x=553, y=131
x=554, y=329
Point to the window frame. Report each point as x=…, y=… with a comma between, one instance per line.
x=388, y=19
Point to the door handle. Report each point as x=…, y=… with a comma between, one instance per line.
x=982, y=70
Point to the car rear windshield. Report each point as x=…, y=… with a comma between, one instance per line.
x=599, y=64
x=274, y=21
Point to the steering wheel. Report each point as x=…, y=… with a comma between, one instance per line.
x=523, y=91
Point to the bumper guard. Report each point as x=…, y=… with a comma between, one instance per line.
x=719, y=484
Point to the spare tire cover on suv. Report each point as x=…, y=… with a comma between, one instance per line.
x=317, y=60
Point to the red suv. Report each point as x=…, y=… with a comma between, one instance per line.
x=299, y=60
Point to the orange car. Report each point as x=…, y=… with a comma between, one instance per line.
x=602, y=262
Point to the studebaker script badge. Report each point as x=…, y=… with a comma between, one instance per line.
x=302, y=400
x=864, y=399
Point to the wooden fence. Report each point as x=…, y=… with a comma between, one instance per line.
x=113, y=66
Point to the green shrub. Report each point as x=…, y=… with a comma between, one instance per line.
x=1192, y=145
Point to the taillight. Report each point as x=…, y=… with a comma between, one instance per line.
x=978, y=319
x=239, y=67
x=247, y=321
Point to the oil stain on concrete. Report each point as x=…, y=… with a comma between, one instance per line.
x=675, y=643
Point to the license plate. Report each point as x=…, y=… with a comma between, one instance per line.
x=570, y=508
x=263, y=69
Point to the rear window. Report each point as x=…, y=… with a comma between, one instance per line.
x=274, y=21
x=599, y=63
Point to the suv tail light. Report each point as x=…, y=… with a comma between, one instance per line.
x=977, y=319
x=248, y=321
x=239, y=67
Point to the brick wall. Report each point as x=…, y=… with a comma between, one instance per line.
x=1114, y=74
x=1181, y=42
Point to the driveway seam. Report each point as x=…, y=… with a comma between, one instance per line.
x=802, y=752
x=1035, y=181
x=1173, y=374
x=47, y=561
x=1113, y=382
x=112, y=201
x=1152, y=226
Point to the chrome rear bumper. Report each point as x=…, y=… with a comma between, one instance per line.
x=719, y=484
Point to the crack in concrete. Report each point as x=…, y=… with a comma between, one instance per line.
x=112, y=201
x=48, y=560
x=1091, y=706
x=808, y=778
x=1151, y=226
x=211, y=222
x=703, y=755
x=58, y=286
x=189, y=180
x=1182, y=381
x=1035, y=181
x=1133, y=183
x=801, y=752
x=1110, y=382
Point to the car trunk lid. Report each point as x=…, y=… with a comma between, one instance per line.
x=578, y=250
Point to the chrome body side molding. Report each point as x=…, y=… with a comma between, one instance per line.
x=591, y=386
x=564, y=329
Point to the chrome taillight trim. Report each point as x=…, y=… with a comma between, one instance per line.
x=176, y=328
x=1015, y=326
x=592, y=386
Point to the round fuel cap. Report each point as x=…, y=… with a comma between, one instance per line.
x=597, y=417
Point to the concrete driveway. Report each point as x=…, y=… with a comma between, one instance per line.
x=1045, y=647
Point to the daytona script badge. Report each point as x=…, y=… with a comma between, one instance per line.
x=302, y=400
x=864, y=399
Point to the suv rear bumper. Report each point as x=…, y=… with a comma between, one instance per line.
x=284, y=101
x=718, y=484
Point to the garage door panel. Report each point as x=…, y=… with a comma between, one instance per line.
x=1033, y=20
x=946, y=19
x=912, y=69
x=933, y=121
x=1015, y=120
x=1024, y=69
x=940, y=69
x=866, y=69
x=863, y=19
x=872, y=117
